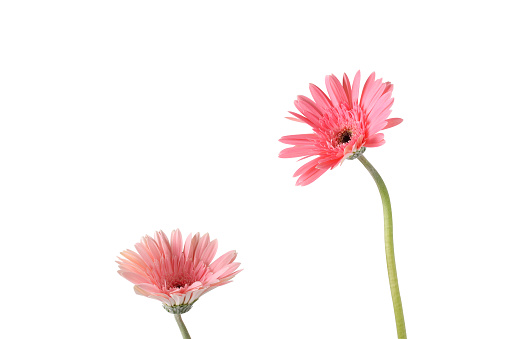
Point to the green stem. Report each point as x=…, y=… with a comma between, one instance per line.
x=182, y=326
x=389, y=248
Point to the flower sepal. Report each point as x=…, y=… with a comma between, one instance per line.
x=357, y=154
x=179, y=309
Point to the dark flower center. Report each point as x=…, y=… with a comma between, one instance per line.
x=344, y=137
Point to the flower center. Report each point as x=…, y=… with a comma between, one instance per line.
x=179, y=281
x=344, y=136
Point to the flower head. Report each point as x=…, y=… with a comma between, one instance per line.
x=343, y=123
x=176, y=273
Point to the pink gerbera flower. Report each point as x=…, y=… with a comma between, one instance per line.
x=177, y=273
x=343, y=126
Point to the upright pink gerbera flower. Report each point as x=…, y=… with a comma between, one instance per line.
x=177, y=273
x=343, y=126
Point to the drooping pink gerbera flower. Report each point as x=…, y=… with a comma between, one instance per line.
x=177, y=273
x=343, y=126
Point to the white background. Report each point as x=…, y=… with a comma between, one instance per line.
x=120, y=118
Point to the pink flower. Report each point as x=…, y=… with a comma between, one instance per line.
x=177, y=273
x=342, y=125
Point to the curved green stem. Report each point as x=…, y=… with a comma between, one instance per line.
x=182, y=326
x=389, y=248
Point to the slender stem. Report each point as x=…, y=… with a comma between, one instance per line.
x=182, y=326
x=389, y=248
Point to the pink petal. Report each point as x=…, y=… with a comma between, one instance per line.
x=310, y=105
x=377, y=144
x=307, y=113
x=151, y=244
x=348, y=150
x=297, y=151
x=355, y=87
x=202, y=244
x=375, y=140
x=230, y=268
x=306, y=167
x=195, y=285
x=299, y=139
x=163, y=243
x=176, y=242
x=367, y=87
x=179, y=299
x=328, y=164
x=187, y=245
x=335, y=90
x=294, y=119
x=144, y=253
x=303, y=119
x=385, y=114
x=196, y=295
x=389, y=87
x=134, y=257
x=228, y=277
x=320, y=97
x=133, y=277
x=162, y=298
x=223, y=260
x=348, y=89
x=393, y=122
x=187, y=298
x=376, y=127
x=192, y=249
x=210, y=252
x=369, y=95
x=379, y=105
x=375, y=98
x=310, y=176
x=146, y=289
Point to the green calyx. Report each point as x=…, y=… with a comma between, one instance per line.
x=357, y=154
x=179, y=309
